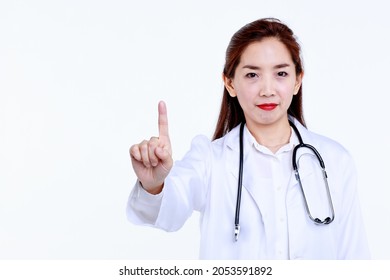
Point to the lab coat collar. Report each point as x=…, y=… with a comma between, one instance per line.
x=232, y=141
x=233, y=137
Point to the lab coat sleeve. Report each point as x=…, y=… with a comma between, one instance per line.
x=186, y=187
x=143, y=207
x=351, y=234
x=184, y=191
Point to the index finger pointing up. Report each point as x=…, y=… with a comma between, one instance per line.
x=162, y=120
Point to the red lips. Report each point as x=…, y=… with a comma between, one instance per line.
x=267, y=106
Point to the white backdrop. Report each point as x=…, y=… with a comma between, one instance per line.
x=80, y=81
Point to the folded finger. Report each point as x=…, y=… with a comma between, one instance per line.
x=135, y=152
x=144, y=150
x=153, y=144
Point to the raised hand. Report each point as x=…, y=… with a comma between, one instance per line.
x=152, y=159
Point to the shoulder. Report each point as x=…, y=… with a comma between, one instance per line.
x=327, y=147
x=206, y=150
x=311, y=137
x=229, y=141
x=204, y=145
x=326, y=143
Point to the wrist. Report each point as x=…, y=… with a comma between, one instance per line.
x=152, y=189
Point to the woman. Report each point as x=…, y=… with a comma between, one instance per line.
x=276, y=214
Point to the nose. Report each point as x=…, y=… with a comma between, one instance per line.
x=267, y=87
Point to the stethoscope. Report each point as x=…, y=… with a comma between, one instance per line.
x=316, y=221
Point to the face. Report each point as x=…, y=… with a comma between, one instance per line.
x=264, y=83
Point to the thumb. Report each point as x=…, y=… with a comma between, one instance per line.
x=164, y=155
x=165, y=158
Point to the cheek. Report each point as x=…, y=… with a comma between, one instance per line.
x=247, y=90
x=245, y=97
x=286, y=94
x=287, y=90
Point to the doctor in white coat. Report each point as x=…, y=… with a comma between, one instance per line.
x=263, y=89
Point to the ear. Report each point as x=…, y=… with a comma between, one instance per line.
x=229, y=85
x=298, y=83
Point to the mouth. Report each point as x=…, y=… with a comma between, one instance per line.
x=267, y=106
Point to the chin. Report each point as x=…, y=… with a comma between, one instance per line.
x=268, y=121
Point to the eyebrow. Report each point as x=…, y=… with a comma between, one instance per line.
x=278, y=66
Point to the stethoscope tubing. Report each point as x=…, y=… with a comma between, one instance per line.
x=301, y=144
x=240, y=171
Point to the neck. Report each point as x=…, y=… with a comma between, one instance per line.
x=272, y=136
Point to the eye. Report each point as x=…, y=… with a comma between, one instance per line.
x=282, y=74
x=251, y=75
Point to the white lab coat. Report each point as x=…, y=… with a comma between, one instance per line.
x=205, y=180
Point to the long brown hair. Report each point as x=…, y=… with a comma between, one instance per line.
x=231, y=113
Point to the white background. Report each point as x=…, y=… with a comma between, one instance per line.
x=80, y=81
